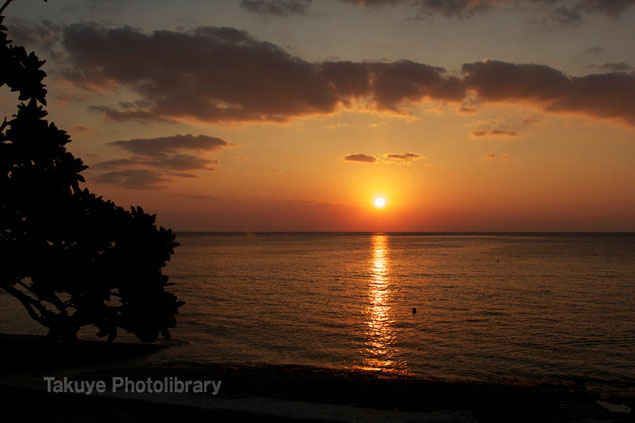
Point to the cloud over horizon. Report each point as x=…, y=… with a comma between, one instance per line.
x=617, y=67
x=566, y=12
x=134, y=179
x=478, y=133
x=405, y=158
x=607, y=95
x=173, y=144
x=494, y=156
x=280, y=8
x=214, y=75
x=360, y=158
x=154, y=159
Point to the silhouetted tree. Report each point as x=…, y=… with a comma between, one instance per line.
x=71, y=258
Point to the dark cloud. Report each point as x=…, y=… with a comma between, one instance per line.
x=171, y=145
x=163, y=154
x=276, y=7
x=458, y=8
x=134, y=179
x=566, y=12
x=43, y=37
x=378, y=2
x=494, y=156
x=184, y=175
x=108, y=6
x=402, y=81
x=595, y=51
x=225, y=75
x=608, y=7
x=113, y=164
x=617, y=67
x=360, y=158
x=455, y=8
x=606, y=95
x=406, y=157
x=222, y=74
x=565, y=16
x=196, y=196
x=530, y=121
x=174, y=162
x=388, y=157
x=467, y=109
x=479, y=133
x=503, y=132
x=183, y=162
x=141, y=116
x=67, y=97
x=80, y=130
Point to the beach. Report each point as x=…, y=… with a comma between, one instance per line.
x=261, y=392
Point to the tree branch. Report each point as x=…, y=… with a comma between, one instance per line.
x=47, y=296
x=4, y=125
x=28, y=303
x=4, y=6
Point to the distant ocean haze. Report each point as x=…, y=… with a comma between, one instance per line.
x=500, y=308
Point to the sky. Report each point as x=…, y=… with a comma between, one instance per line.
x=295, y=115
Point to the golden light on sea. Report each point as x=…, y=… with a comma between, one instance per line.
x=379, y=350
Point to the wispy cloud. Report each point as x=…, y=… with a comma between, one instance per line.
x=154, y=155
x=401, y=158
x=494, y=156
x=404, y=158
x=616, y=67
x=280, y=8
x=205, y=197
x=171, y=145
x=134, y=179
x=479, y=133
x=565, y=12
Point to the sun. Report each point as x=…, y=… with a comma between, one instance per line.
x=380, y=202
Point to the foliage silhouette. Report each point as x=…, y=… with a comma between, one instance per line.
x=70, y=257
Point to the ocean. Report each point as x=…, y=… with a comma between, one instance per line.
x=499, y=308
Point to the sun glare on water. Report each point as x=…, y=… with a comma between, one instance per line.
x=380, y=202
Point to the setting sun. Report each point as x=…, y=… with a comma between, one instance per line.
x=360, y=224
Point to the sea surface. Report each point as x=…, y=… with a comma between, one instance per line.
x=502, y=308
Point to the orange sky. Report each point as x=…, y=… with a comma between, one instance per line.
x=505, y=118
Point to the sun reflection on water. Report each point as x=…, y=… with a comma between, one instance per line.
x=379, y=349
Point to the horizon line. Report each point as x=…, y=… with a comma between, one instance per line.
x=410, y=232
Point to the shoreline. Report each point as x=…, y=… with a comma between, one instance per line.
x=280, y=392
x=273, y=392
